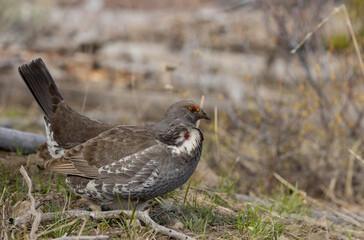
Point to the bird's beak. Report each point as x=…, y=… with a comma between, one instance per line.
x=204, y=115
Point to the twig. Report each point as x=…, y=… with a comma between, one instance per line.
x=293, y=188
x=350, y=173
x=2, y=195
x=99, y=237
x=35, y=213
x=318, y=26
x=353, y=37
x=58, y=228
x=331, y=195
x=83, y=226
x=356, y=155
x=66, y=202
x=142, y=216
x=51, y=226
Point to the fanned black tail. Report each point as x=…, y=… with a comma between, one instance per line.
x=41, y=84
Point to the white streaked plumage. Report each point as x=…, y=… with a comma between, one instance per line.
x=91, y=185
x=104, y=186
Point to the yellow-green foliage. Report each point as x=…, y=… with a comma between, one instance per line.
x=14, y=112
x=338, y=42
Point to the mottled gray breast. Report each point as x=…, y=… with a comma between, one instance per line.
x=147, y=174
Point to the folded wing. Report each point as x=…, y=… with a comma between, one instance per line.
x=106, y=149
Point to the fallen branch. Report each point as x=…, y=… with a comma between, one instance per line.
x=142, y=216
x=15, y=140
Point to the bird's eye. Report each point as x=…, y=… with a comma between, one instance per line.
x=193, y=108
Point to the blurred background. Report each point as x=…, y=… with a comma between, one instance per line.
x=297, y=115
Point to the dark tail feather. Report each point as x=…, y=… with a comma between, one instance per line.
x=41, y=84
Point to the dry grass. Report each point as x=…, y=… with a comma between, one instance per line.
x=197, y=212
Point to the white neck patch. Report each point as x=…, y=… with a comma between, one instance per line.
x=190, y=141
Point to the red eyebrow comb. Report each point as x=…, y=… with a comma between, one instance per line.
x=197, y=109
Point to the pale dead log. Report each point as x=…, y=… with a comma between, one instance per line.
x=15, y=140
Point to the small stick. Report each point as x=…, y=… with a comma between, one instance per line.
x=144, y=216
x=356, y=156
x=83, y=226
x=58, y=228
x=332, y=196
x=318, y=26
x=350, y=173
x=50, y=227
x=98, y=237
x=293, y=188
x=35, y=213
x=353, y=37
x=2, y=195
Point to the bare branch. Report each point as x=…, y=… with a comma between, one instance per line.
x=318, y=26
x=142, y=216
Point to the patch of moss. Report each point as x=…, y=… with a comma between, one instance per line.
x=338, y=42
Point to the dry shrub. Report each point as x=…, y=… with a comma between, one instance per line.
x=301, y=128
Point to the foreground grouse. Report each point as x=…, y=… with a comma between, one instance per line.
x=107, y=163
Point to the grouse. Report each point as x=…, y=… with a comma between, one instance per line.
x=116, y=166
